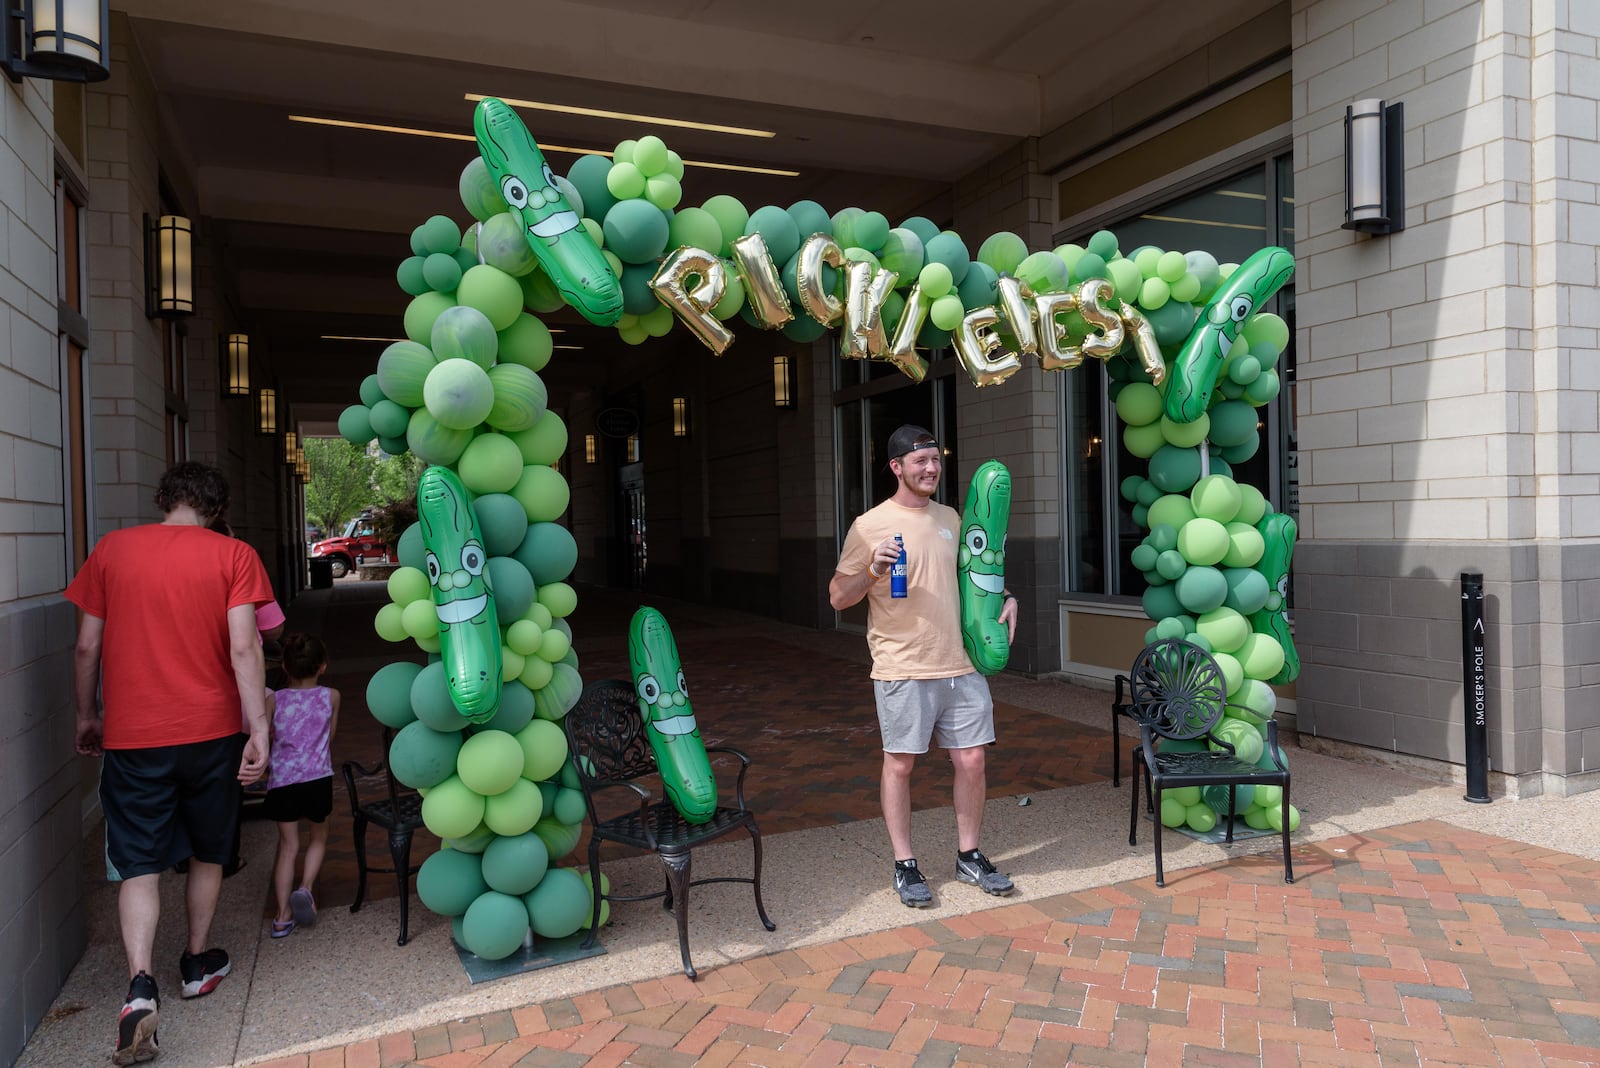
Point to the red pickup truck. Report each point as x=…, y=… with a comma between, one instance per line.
x=357, y=543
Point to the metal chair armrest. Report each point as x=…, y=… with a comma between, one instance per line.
x=644, y=803
x=744, y=766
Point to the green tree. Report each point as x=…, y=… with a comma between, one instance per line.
x=394, y=478
x=341, y=482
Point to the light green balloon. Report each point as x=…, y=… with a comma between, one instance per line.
x=528, y=342
x=695, y=228
x=490, y=761
x=1216, y=497
x=514, y=810
x=543, y=493
x=560, y=598
x=1003, y=251
x=1139, y=404
x=650, y=155
x=625, y=181
x=731, y=216
x=1225, y=629
x=1261, y=656
x=544, y=749
x=419, y=318
x=493, y=292
x=1185, y=435
x=491, y=463
x=1143, y=441
x=420, y=619
x=545, y=441
x=1203, y=541
x=1252, y=505
x=452, y=809
x=388, y=625
x=1245, y=546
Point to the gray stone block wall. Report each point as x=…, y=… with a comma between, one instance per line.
x=1378, y=628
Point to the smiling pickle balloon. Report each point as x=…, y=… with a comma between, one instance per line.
x=1278, y=532
x=1200, y=360
x=981, y=567
x=560, y=243
x=668, y=720
x=469, y=635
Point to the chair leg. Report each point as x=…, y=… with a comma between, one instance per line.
x=1288, y=866
x=1233, y=805
x=678, y=880
x=594, y=878
x=1160, y=876
x=761, y=910
x=1116, y=751
x=361, y=862
x=1133, y=814
x=400, y=850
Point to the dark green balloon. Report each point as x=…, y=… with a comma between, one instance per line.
x=450, y=881
x=548, y=551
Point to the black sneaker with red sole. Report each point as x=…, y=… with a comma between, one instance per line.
x=202, y=972
x=136, y=1027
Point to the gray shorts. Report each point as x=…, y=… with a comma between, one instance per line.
x=957, y=713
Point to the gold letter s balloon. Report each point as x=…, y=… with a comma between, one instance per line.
x=555, y=233
x=469, y=635
x=981, y=567
x=668, y=720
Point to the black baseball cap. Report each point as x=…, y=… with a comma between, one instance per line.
x=910, y=438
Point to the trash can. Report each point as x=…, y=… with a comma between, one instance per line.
x=321, y=573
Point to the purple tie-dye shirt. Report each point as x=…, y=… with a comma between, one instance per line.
x=300, y=728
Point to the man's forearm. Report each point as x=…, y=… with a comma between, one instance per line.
x=86, y=676
x=251, y=675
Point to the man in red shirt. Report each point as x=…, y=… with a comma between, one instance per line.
x=168, y=648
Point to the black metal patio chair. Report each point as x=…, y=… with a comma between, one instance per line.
x=397, y=810
x=1177, y=693
x=610, y=751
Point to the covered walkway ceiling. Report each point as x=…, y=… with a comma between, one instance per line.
x=876, y=103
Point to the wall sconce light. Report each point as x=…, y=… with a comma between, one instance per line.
x=633, y=448
x=266, y=411
x=680, y=417
x=59, y=40
x=588, y=448
x=291, y=442
x=303, y=469
x=168, y=267
x=1374, y=167
x=782, y=382
x=236, y=365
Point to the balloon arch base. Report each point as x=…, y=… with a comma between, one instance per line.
x=534, y=955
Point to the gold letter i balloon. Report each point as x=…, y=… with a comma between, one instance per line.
x=669, y=722
x=469, y=636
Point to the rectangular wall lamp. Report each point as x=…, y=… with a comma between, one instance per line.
x=782, y=381
x=291, y=442
x=680, y=417
x=168, y=267
x=235, y=365
x=1375, y=167
x=588, y=448
x=266, y=411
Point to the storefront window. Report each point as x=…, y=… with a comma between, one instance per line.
x=1230, y=219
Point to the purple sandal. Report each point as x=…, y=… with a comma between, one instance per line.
x=282, y=928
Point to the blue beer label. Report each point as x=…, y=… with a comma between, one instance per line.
x=897, y=572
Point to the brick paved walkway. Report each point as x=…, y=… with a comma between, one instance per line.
x=1422, y=944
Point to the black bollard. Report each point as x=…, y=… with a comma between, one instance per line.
x=1474, y=688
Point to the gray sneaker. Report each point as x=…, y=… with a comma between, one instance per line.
x=980, y=873
x=911, y=886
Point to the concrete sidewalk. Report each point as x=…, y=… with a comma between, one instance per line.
x=1403, y=852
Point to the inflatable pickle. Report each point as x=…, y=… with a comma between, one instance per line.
x=1200, y=360
x=560, y=243
x=1278, y=531
x=668, y=720
x=469, y=635
x=981, y=567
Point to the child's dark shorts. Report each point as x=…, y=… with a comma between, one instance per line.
x=311, y=800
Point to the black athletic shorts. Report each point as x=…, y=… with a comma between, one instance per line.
x=170, y=803
x=311, y=800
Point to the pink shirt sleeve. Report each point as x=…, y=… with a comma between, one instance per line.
x=268, y=615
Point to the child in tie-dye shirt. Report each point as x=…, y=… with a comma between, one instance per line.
x=300, y=778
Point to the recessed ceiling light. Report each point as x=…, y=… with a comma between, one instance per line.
x=654, y=120
x=355, y=337
x=444, y=135
x=575, y=348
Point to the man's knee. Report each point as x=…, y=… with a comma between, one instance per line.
x=967, y=760
x=899, y=765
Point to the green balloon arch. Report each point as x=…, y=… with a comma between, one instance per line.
x=1189, y=352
